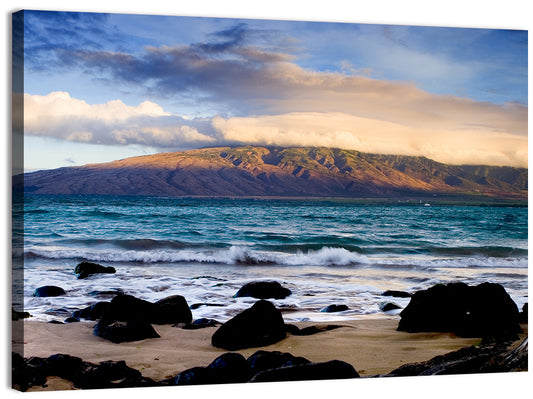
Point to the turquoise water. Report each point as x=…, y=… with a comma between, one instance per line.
x=325, y=252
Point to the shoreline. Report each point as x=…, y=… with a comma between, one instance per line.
x=439, y=200
x=371, y=346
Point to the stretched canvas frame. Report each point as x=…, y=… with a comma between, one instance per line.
x=18, y=138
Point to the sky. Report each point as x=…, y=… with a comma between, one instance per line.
x=100, y=87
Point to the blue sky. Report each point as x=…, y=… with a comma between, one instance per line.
x=99, y=87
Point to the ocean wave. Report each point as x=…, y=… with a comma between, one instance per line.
x=151, y=251
x=235, y=255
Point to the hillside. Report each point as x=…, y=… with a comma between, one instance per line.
x=275, y=171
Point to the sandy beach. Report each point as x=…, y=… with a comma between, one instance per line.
x=372, y=346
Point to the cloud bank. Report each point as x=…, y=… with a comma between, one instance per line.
x=492, y=134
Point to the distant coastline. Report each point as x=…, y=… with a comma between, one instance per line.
x=413, y=202
x=293, y=172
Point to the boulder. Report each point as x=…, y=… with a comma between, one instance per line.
x=172, y=310
x=49, y=290
x=127, y=307
x=200, y=323
x=107, y=294
x=16, y=315
x=494, y=358
x=230, y=368
x=92, y=312
x=265, y=360
x=85, y=269
x=226, y=369
x=263, y=290
x=124, y=331
x=334, y=369
x=198, y=305
x=485, y=310
x=311, y=330
x=194, y=376
x=396, y=294
x=388, y=306
x=84, y=375
x=260, y=325
x=334, y=308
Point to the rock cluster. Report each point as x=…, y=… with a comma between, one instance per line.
x=263, y=366
x=127, y=318
x=84, y=375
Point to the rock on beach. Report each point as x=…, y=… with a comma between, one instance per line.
x=49, y=290
x=263, y=290
x=485, y=310
x=260, y=325
x=127, y=318
x=85, y=269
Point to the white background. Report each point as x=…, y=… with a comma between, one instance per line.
x=505, y=14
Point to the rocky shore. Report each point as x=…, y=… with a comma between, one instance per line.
x=446, y=329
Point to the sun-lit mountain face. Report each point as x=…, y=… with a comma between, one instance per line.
x=278, y=171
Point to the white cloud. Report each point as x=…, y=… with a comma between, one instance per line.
x=61, y=116
x=410, y=122
x=457, y=146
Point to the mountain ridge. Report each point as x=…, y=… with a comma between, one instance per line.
x=279, y=172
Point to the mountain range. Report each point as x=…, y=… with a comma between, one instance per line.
x=253, y=171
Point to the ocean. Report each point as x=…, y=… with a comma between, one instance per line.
x=325, y=251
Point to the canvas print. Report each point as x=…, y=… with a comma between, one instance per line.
x=221, y=200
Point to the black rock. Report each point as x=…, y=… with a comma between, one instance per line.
x=292, y=329
x=84, y=375
x=127, y=307
x=200, y=323
x=49, y=290
x=71, y=320
x=334, y=369
x=495, y=358
x=485, y=310
x=397, y=294
x=334, y=308
x=92, y=312
x=388, y=306
x=195, y=376
x=127, y=318
x=230, y=368
x=124, y=331
x=108, y=294
x=171, y=310
x=16, y=315
x=267, y=360
x=110, y=374
x=85, y=269
x=260, y=325
x=226, y=369
x=263, y=290
x=311, y=330
x=198, y=305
